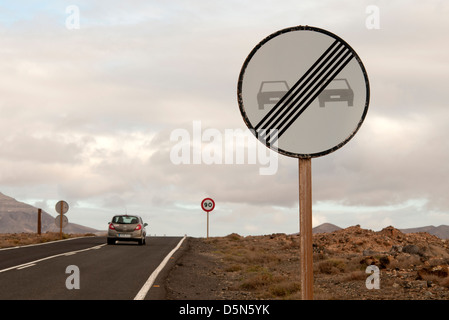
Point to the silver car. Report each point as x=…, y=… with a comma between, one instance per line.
x=127, y=228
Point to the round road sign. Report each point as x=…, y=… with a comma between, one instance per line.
x=208, y=204
x=62, y=207
x=65, y=221
x=303, y=92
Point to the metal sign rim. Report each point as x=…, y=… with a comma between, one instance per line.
x=213, y=204
x=65, y=221
x=64, y=205
x=291, y=29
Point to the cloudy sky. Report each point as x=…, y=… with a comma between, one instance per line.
x=93, y=112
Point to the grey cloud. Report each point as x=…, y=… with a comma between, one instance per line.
x=97, y=105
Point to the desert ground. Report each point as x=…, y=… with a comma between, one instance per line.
x=411, y=267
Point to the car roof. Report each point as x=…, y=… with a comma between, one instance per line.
x=126, y=215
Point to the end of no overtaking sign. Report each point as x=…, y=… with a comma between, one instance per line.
x=303, y=92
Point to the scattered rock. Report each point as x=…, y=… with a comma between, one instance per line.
x=412, y=249
x=370, y=260
x=385, y=261
x=396, y=249
x=438, y=271
x=368, y=252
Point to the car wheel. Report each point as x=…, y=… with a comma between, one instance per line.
x=111, y=241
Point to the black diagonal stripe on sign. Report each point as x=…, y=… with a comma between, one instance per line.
x=280, y=104
x=311, y=99
x=305, y=88
x=304, y=97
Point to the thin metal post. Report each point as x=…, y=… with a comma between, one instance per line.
x=60, y=221
x=305, y=225
x=207, y=224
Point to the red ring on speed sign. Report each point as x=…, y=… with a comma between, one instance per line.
x=208, y=204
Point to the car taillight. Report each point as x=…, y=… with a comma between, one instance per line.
x=111, y=226
x=138, y=227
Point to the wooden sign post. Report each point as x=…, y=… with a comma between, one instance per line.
x=305, y=227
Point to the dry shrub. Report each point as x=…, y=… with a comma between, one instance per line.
x=256, y=268
x=332, y=266
x=250, y=256
x=23, y=239
x=355, y=275
x=234, y=237
x=445, y=282
x=233, y=267
x=257, y=281
x=285, y=288
x=405, y=261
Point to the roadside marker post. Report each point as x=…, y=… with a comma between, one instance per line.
x=304, y=93
x=207, y=205
x=39, y=221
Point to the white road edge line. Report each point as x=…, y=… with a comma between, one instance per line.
x=32, y=263
x=26, y=266
x=147, y=286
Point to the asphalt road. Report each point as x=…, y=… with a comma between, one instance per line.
x=105, y=271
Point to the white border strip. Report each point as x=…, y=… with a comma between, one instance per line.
x=147, y=286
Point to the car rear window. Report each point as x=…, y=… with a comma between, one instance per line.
x=125, y=219
x=338, y=84
x=274, y=86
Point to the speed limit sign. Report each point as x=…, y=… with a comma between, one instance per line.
x=208, y=204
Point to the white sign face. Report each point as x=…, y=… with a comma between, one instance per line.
x=65, y=207
x=303, y=92
x=65, y=221
x=208, y=204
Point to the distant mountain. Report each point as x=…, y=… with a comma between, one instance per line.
x=325, y=228
x=16, y=217
x=440, y=231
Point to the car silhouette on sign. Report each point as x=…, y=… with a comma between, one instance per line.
x=271, y=92
x=337, y=90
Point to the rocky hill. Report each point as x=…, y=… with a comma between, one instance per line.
x=389, y=240
x=441, y=231
x=17, y=217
